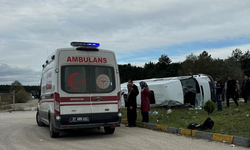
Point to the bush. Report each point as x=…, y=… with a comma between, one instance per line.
x=209, y=107
x=22, y=96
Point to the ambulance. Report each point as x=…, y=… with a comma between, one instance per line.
x=80, y=88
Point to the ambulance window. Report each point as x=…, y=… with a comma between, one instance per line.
x=104, y=79
x=87, y=79
x=74, y=79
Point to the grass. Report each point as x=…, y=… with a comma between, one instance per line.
x=231, y=121
x=4, y=106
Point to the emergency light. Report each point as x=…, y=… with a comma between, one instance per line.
x=84, y=44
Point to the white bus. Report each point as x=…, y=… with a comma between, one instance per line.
x=172, y=91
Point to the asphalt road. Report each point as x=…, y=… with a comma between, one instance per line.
x=18, y=131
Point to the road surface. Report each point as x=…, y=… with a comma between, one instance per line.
x=19, y=131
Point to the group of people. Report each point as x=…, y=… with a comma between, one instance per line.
x=231, y=90
x=130, y=102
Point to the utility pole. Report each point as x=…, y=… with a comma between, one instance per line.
x=14, y=100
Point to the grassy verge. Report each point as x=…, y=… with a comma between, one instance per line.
x=4, y=106
x=231, y=121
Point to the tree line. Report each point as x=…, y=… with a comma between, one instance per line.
x=22, y=93
x=237, y=65
x=30, y=89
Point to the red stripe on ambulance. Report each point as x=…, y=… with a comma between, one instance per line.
x=88, y=104
x=87, y=99
x=75, y=99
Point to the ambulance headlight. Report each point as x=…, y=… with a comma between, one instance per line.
x=119, y=114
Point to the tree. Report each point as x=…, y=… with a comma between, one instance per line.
x=236, y=66
x=172, y=70
x=162, y=66
x=205, y=55
x=189, y=66
x=233, y=68
x=192, y=57
x=237, y=54
x=131, y=72
x=4, y=88
x=151, y=70
x=209, y=107
x=244, y=60
x=164, y=59
x=17, y=86
x=219, y=69
x=21, y=96
x=245, y=63
x=204, y=63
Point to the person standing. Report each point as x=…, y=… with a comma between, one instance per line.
x=223, y=94
x=145, y=101
x=131, y=106
x=245, y=88
x=230, y=90
x=219, y=87
x=237, y=94
x=130, y=81
x=135, y=88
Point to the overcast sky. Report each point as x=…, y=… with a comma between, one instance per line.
x=138, y=31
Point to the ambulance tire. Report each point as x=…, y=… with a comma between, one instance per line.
x=109, y=130
x=53, y=133
x=38, y=120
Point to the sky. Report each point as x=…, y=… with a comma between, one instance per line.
x=138, y=31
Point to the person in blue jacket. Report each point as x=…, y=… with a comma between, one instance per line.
x=219, y=87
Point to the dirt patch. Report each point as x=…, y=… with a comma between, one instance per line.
x=30, y=105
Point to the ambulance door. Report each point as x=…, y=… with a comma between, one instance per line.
x=104, y=87
x=75, y=91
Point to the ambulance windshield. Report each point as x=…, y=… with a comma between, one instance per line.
x=87, y=79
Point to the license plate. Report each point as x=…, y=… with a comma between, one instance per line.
x=79, y=119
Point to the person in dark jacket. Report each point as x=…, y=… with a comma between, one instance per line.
x=231, y=89
x=245, y=88
x=135, y=88
x=131, y=106
x=130, y=81
x=219, y=87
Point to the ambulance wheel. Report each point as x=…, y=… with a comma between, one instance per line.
x=109, y=130
x=53, y=133
x=38, y=120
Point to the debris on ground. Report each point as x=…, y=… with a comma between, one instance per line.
x=169, y=111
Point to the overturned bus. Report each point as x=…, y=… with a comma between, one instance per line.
x=172, y=91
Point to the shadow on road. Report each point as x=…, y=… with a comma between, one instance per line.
x=82, y=134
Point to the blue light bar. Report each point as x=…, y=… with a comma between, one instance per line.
x=84, y=44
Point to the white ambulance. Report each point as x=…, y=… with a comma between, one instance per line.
x=80, y=88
